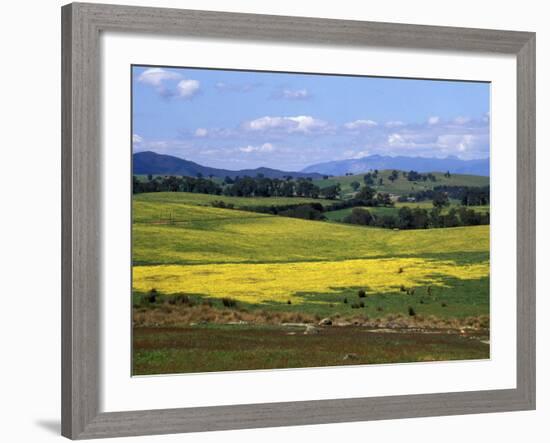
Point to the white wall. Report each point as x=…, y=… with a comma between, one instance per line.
x=30, y=220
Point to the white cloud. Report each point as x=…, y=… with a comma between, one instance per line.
x=235, y=87
x=394, y=124
x=159, y=144
x=188, y=88
x=358, y=124
x=296, y=94
x=201, y=132
x=156, y=76
x=395, y=140
x=266, y=147
x=299, y=124
x=355, y=154
x=433, y=120
x=461, y=143
x=137, y=138
x=461, y=120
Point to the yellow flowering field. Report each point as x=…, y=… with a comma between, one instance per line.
x=204, y=235
x=259, y=258
x=260, y=283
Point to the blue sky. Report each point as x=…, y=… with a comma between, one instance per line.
x=239, y=119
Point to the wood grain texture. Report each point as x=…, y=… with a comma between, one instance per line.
x=526, y=221
x=81, y=221
x=81, y=205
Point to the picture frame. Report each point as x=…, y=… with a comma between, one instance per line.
x=82, y=25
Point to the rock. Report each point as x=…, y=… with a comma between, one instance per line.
x=351, y=357
x=325, y=322
x=311, y=330
x=343, y=323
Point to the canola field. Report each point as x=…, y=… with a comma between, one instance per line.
x=273, y=282
x=264, y=259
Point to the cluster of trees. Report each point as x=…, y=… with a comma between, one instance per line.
x=310, y=211
x=274, y=187
x=176, y=184
x=394, y=175
x=419, y=218
x=238, y=187
x=367, y=196
x=414, y=176
x=468, y=195
x=370, y=177
x=307, y=211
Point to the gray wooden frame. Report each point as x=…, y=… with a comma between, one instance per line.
x=81, y=164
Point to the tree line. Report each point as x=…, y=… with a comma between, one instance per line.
x=467, y=195
x=419, y=218
x=176, y=184
x=259, y=186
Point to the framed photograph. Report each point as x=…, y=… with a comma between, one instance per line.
x=273, y=221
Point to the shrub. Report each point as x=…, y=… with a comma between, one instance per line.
x=152, y=296
x=361, y=293
x=359, y=216
x=379, y=308
x=179, y=299
x=288, y=302
x=412, y=312
x=355, y=306
x=345, y=300
x=443, y=305
x=400, y=271
x=229, y=302
x=307, y=212
x=361, y=304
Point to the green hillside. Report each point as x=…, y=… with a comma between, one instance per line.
x=340, y=214
x=402, y=186
x=201, y=234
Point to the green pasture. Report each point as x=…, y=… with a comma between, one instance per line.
x=402, y=186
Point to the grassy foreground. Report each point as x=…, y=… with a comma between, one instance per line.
x=232, y=348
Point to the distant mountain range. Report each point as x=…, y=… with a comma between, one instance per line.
x=158, y=164
x=419, y=164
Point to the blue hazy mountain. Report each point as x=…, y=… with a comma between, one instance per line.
x=420, y=164
x=149, y=162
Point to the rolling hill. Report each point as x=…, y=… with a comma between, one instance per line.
x=149, y=162
x=402, y=186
